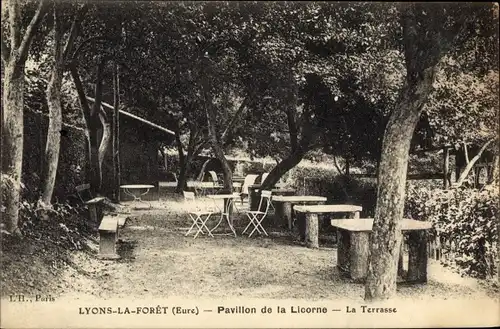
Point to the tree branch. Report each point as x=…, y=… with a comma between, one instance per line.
x=235, y=117
x=74, y=30
x=31, y=29
x=198, y=147
x=340, y=170
x=469, y=166
x=15, y=28
x=85, y=42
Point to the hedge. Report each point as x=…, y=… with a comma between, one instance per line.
x=466, y=221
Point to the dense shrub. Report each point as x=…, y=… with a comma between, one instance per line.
x=64, y=225
x=465, y=220
x=337, y=188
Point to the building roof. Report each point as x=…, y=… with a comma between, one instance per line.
x=136, y=117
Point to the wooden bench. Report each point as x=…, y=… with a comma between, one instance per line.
x=353, y=247
x=284, y=205
x=309, y=223
x=108, y=237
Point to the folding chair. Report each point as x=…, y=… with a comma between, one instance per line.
x=257, y=216
x=249, y=180
x=197, y=216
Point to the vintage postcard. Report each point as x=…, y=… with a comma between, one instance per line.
x=249, y=164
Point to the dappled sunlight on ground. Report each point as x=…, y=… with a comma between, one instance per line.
x=159, y=261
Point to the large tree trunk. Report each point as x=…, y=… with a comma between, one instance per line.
x=14, y=58
x=54, y=102
x=12, y=138
x=386, y=237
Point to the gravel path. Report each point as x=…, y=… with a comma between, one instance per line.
x=159, y=262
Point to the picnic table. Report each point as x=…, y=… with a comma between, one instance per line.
x=284, y=203
x=352, y=247
x=254, y=195
x=309, y=223
x=227, y=209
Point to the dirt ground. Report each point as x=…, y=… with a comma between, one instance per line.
x=158, y=261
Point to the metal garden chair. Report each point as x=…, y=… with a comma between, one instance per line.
x=199, y=217
x=257, y=216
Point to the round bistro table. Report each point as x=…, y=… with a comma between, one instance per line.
x=134, y=190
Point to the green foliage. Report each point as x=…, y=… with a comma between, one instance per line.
x=464, y=106
x=466, y=219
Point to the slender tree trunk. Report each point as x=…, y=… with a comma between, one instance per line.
x=181, y=181
x=493, y=173
x=12, y=135
x=115, y=135
x=385, y=240
x=93, y=123
x=54, y=102
x=95, y=173
x=105, y=142
x=182, y=162
x=219, y=153
x=446, y=168
x=211, y=115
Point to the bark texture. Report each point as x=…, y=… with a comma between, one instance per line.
x=386, y=236
x=426, y=40
x=12, y=135
x=14, y=57
x=358, y=256
x=417, y=264
x=54, y=102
